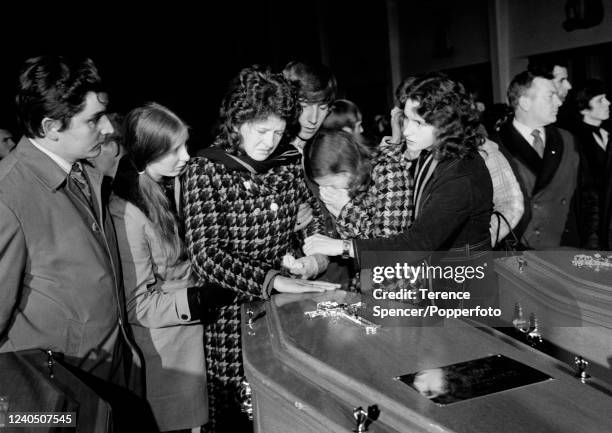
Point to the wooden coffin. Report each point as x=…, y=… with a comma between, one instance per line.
x=308, y=374
x=29, y=384
x=572, y=305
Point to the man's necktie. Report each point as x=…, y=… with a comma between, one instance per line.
x=77, y=175
x=538, y=143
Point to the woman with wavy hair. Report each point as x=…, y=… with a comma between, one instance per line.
x=453, y=191
x=375, y=181
x=240, y=212
x=165, y=306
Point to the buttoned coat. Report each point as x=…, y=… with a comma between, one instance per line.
x=548, y=184
x=158, y=311
x=61, y=281
x=238, y=225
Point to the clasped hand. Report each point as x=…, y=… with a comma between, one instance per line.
x=321, y=244
x=305, y=267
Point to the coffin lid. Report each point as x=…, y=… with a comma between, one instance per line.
x=582, y=295
x=336, y=356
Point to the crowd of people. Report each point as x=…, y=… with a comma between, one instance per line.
x=129, y=259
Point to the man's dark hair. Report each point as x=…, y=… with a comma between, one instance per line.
x=521, y=83
x=315, y=82
x=543, y=66
x=444, y=104
x=591, y=88
x=342, y=113
x=53, y=87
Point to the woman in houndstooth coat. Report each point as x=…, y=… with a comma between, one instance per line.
x=240, y=209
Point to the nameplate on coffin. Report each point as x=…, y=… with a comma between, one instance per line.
x=310, y=375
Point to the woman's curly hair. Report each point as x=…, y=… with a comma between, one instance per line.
x=254, y=95
x=444, y=104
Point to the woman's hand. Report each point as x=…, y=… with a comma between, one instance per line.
x=334, y=199
x=296, y=285
x=321, y=244
x=305, y=267
x=396, y=125
x=281, y=299
x=304, y=217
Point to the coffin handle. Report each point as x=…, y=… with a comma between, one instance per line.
x=364, y=418
x=581, y=365
x=529, y=327
x=246, y=399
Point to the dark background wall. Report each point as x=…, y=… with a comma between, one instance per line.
x=184, y=56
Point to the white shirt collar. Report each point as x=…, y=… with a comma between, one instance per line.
x=603, y=141
x=64, y=165
x=526, y=131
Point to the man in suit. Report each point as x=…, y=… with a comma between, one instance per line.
x=593, y=106
x=605, y=227
x=544, y=159
x=61, y=285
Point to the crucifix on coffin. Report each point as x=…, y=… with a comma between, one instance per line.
x=346, y=311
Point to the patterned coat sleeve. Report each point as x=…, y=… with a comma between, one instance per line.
x=356, y=219
x=386, y=208
x=213, y=258
x=507, y=195
x=307, y=196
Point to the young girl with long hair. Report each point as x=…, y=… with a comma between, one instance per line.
x=165, y=307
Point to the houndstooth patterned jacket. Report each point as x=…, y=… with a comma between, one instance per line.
x=238, y=227
x=240, y=224
x=387, y=207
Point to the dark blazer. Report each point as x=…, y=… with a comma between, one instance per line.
x=548, y=184
x=59, y=267
x=591, y=184
x=454, y=212
x=594, y=155
x=605, y=226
